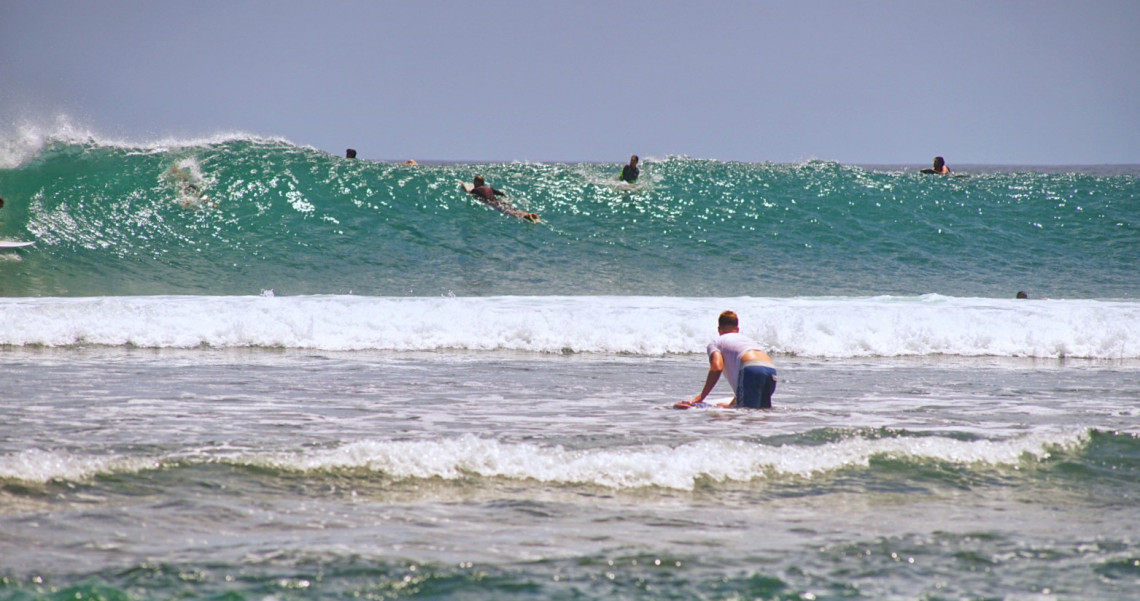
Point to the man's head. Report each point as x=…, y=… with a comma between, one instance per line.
x=728, y=322
x=479, y=180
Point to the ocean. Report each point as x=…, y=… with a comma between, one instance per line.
x=242, y=369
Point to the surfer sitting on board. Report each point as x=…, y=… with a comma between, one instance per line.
x=939, y=167
x=748, y=369
x=487, y=194
x=630, y=172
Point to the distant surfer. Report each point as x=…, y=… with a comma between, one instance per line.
x=630, y=172
x=748, y=369
x=488, y=195
x=191, y=193
x=485, y=192
x=939, y=167
x=350, y=153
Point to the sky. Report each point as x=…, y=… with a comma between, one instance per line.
x=1041, y=82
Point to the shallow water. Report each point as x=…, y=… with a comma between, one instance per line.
x=516, y=475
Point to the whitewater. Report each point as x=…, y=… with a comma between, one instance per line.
x=803, y=327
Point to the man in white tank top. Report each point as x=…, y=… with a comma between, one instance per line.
x=748, y=369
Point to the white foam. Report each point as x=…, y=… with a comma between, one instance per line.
x=806, y=327
x=24, y=141
x=679, y=468
x=37, y=465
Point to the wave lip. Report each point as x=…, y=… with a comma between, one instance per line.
x=806, y=327
x=678, y=468
x=682, y=468
x=39, y=465
x=28, y=140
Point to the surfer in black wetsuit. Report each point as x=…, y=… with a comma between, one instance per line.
x=939, y=167
x=630, y=172
x=485, y=192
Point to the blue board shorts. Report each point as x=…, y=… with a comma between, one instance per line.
x=755, y=384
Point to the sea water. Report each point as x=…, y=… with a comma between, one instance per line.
x=243, y=369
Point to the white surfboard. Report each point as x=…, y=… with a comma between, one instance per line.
x=707, y=404
x=15, y=243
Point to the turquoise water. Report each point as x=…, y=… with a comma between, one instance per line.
x=245, y=370
x=110, y=220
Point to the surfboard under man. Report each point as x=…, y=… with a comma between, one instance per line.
x=488, y=195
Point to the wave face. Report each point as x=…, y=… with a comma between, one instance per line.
x=239, y=215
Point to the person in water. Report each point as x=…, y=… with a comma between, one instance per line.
x=630, y=172
x=939, y=167
x=748, y=369
x=350, y=153
x=487, y=194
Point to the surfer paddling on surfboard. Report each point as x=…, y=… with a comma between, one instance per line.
x=488, y=195
x=748, y=369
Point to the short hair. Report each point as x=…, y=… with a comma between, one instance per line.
x=728, y=319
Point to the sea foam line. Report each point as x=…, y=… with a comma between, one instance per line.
x=805, y=327
x=40, y=465
x=680, y=468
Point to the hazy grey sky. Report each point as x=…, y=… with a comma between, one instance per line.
x=1030, y=82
